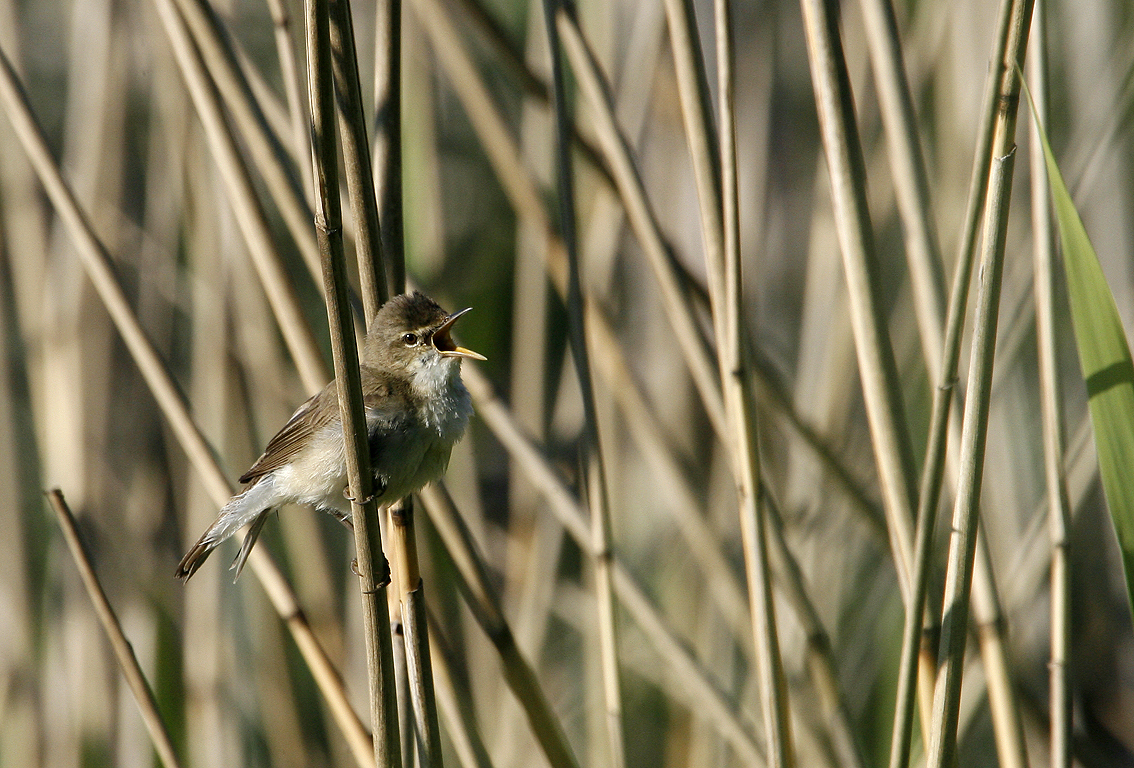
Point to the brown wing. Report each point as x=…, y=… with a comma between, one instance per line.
x=309, y=418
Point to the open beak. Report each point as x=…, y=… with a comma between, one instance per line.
x=444, y=342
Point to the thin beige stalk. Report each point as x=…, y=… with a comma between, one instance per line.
x=675, y=291
x=356, y=162
x=962, y=545
x=911, y=180
x=1058, y=511
x=693, y=90
x=384, y=208
x=728, y=310
x=914, y=636
x=820, y=655
x=521, y=191
x=684, y=508
x=215, y=50
x=97, y=263
x=373, y=570
x=693, y=684
x=387, y=154
x=989, y=621
x=245, y=203
x=289, y=73
x=596, y=469
x=123, y=651
x=877, y=369
x=455, y=701
x=963, y=539
x=475, y=585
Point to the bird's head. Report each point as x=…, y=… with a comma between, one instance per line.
x=411, y=336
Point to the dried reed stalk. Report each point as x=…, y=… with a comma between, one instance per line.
x=373, y=570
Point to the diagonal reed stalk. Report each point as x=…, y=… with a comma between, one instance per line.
x=246, y=205
x=696, y=685
x=675, y=292
x=123, y=651
x=96, y=261
x=214, y=46
x=483, y=600
x=517, y=183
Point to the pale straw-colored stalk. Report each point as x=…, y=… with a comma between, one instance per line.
x=96, y=261
x=123, y=651
x=483, y=600
x=596, y=471
x=675, y=292
x=289, y=73
x=455, y=702
x=740, y=407
x=914, y=638
x=693, y=683
x=1058, y=509
x=250, y=214
x=356, y=162
x=962, y=543
x=373, y=570
x=877, y=369
x=387, y=141
x=215, y=50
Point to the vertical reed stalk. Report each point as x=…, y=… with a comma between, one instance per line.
x=215, y=48
x=675, y=292
x=373, y=570
x=1059, y=512
x=728, y=312
x=694, y=683
x=249, y=211
x=876, y=365
x=387, y=155
x=356, y=161
x=596, y=468
x=962, y=544
x=483, y=600
x=911, y=180
x=933, y=470
x=289, y=72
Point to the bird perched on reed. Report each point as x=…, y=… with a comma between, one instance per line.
x=416, y=407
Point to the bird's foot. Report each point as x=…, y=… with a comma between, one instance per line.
x=347, y=495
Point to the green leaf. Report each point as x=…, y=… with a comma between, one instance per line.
x=1105, y=358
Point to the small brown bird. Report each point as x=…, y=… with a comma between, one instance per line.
x=416, y=406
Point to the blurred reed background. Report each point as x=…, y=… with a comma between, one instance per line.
x=481, y=230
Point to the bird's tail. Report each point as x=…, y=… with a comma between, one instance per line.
x=250, y=507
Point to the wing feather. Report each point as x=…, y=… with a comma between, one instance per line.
x=308, y=419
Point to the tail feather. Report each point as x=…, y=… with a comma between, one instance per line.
x=249, y=541
x=251, y=506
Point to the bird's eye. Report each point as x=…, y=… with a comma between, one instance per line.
x=410, y=339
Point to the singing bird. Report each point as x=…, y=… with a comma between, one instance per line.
x=416, y=406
